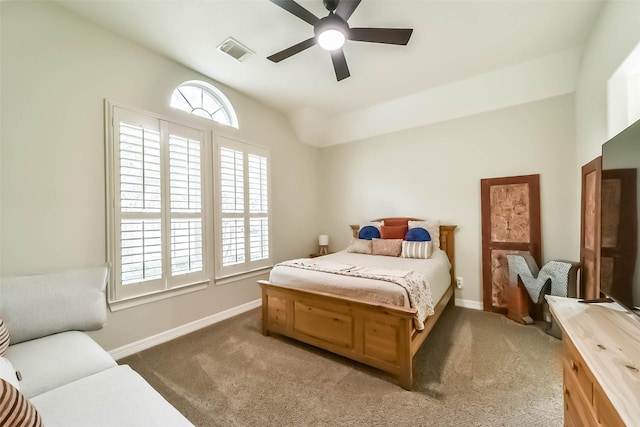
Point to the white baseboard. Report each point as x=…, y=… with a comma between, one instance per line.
x=466, y=303
x=162, y=337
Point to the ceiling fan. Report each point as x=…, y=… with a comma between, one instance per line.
x=332, y=31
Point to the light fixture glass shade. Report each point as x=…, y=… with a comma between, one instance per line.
x=331, y=39
x=323, y=240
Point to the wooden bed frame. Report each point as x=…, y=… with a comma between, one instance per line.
x=379, y=335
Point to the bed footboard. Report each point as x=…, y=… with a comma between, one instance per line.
x=377, y=335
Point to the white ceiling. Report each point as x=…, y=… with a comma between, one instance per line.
x=452, y=41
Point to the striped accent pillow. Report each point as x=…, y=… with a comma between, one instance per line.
x=4, y=338
x=15, y=409
x=416, y=250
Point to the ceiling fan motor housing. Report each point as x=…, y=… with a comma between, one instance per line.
x=331, y=5
x=332, y=21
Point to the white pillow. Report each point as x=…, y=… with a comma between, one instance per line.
x=360, y=246
x=8, y=372
x=421, y=250
x=376, y=224
x=433, y=227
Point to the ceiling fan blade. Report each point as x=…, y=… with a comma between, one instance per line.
x=340, y=64
x=381, y=35
x=297, y=10
x=346, y=8
x=290, y=51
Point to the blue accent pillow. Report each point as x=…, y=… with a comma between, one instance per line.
x=417, y=234
x=369, y=232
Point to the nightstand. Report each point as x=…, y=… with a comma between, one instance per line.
x=318, y=254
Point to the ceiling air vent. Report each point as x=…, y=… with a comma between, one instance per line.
x=235, y=49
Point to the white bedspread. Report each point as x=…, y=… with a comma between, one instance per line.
x=331, y=273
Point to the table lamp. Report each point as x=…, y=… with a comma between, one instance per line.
x=323, y=241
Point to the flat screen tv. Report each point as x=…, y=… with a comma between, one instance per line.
x=619, y=263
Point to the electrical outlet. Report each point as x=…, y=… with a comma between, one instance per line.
x=459, y=282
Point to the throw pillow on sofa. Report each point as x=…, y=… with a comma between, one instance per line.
x=15, y=409
x=4, y=338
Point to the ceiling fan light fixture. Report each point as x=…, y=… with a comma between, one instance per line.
x=331, y=39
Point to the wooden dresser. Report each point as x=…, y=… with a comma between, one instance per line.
x=601, y=363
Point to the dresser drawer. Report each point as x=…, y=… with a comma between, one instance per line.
x=577, y=408
x=605, y=412
x=574, y=363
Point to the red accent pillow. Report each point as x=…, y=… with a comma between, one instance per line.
x=393, y=231
x=396, y=222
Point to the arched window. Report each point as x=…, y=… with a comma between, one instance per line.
x=204, y=100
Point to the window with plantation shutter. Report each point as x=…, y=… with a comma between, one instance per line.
x=244, y=232
x=157, y=216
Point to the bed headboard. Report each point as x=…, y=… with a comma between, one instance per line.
x=447, y=240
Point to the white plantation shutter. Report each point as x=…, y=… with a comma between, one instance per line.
x=185, y=187
x=158, y=218
x=139, y=169
x=258, y=193
x=259, y=231
x=244, y=234
x=141, y=250
x=258, y=207
x=232, y=206
x=185, y=174
x=186, y=246
x=140, y=202
x=233, y=249
x=231, y=180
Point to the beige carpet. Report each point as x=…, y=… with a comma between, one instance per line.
x=475, y=369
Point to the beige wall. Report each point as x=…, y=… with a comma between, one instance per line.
x=612, y=39
x=435, y=171
x=56, y=70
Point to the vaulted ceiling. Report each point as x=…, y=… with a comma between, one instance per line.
x=455, y=47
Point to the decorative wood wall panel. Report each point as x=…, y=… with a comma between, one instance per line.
x=510, y=225
x=509, y=213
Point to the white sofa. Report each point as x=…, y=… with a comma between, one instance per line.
x=67, y=376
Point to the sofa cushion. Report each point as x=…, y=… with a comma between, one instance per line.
x=45, y=304
x=15, y=408
x=56, y=360
x=115, y=397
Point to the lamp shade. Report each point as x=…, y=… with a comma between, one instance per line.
x=323, y=240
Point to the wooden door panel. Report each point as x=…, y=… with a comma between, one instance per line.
x=619, y=229
x=510, y=225
x=590, y=229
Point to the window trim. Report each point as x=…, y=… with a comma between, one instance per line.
x=172, y=286
x=225, y=274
